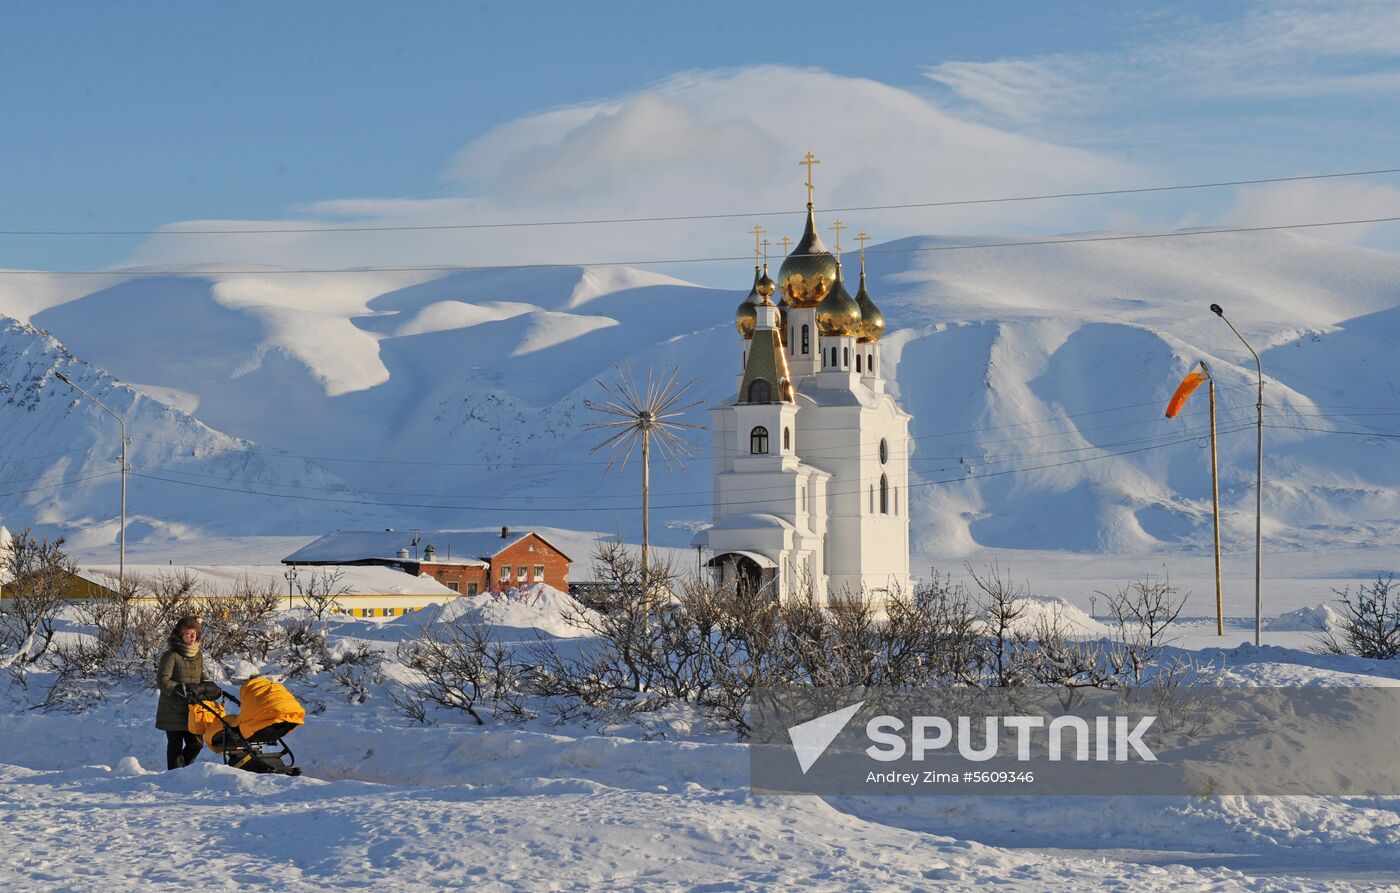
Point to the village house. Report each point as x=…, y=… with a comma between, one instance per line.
x=360, y=591
x=467, y=562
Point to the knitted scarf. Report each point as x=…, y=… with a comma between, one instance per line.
x=187, y=650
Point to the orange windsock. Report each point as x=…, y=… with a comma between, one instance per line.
x=1183, y=391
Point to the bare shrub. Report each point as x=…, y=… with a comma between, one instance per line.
x=39, y=574
x=459, y=667
x=1371, y=623
x=319, y=590
x=1144, y=610
x=241, y=622
x=356, y=669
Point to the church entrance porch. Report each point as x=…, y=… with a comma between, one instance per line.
x=751, y=573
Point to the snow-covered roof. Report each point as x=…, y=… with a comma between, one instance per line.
x=469, y=547
x=223, y=579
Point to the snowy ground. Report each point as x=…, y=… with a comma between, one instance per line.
x=656, y=803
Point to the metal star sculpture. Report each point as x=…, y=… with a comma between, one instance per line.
x=641, y=414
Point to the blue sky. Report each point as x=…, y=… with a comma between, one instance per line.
x=143, y=116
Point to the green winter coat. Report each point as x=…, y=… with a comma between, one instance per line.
x=173, y=668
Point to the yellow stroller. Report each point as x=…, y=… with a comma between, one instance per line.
x=267, y=714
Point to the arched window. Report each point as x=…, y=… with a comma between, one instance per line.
x=872, y=364
x=847, y=364
x=787, y=439
x=857, y=362
x=759, y=391
x=806, y=340
x=884, y=451
x=833, y=356
x=884, y=495
x=758, y=440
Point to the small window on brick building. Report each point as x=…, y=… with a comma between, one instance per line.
x=471, y=589
x=520, y=572
x=454, y=587
x=505, y=572
x=538, y=575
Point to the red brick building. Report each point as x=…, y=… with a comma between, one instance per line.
x=469, y=562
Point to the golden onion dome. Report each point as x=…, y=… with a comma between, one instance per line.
x=765, y=285
x=746, y=317
x=838, y=313
x=807, y=274
x=872, y=321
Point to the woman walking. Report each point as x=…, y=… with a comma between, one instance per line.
x=180, y=669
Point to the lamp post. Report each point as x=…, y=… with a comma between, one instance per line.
x=121, y=564
x=1258, y=481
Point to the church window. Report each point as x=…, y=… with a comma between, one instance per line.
x=884, y=451
x=857, y=362
x=787, y=439
x=884, y=495
x=759, y=391
x=847, y=364
x=833, y=356
x=758, y=440
x=806, y=340
x=870, y=363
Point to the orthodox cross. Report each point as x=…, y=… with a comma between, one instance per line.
x=862, y=239
x=786, y=242
x=809, y=160
x=836, y=227
x=758, y=232
x=766, y=243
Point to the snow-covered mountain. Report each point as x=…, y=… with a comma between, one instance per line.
x=60, y=469
x=1036, y=376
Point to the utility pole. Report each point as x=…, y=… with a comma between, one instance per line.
x=1258, y=482
x=121, y=562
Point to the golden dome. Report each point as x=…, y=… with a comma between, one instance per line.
x=872, y=321
x=746, y=317
x=838, y=313
x=765, y=286
x=807, y=274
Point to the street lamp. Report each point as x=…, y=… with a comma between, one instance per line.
x=1258, y=481
x=121, y=565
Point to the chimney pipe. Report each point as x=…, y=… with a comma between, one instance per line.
x=505, y=532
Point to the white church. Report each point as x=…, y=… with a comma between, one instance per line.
x=811, y=457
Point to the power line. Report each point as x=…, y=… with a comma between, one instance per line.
x=654, y=262
x=479, y=508
x=1138, y=190
x=972, y=467
x=60, y=484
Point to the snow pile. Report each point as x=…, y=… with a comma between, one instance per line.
x=539, y=608
x=1318, y=619
x=1037, y=613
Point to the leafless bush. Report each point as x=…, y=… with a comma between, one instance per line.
x=319, y=590
x=459, y=667
x=1371, y=625
x=356, y=669
x=1144, y=610
x=39, y=574
x=241, y=622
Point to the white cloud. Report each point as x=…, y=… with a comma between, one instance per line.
x=1275, y=50
x=699, y=143
x=1316, y=200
